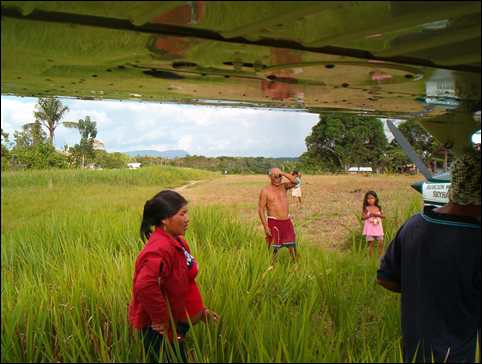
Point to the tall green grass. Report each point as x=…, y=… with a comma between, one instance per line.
x=326, y=308
x=166, y=176
x=67, y=271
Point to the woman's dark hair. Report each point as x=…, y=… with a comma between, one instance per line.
x=165, y=204
x=365, y=200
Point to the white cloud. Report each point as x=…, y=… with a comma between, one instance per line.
x=17, y=112
x=201, y=130
x=185, y=142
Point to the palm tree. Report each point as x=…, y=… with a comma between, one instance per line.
x=50, y=112
x=88, y=131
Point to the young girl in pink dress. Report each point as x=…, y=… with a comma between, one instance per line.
x=372, y=215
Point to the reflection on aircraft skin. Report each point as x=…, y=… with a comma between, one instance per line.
x=281, y=84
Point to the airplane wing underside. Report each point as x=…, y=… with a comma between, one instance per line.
x=392, y=59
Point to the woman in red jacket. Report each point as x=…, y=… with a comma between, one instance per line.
x=164, y=285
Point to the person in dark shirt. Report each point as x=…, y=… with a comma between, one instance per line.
x=434, y=262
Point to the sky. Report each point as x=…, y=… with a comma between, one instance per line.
x=211, y=131
x=199, y=130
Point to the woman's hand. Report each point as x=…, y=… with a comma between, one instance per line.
x=209, y=315
x=159, y=328
x=268, y=235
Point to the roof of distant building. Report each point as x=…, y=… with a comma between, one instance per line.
x=99, y=144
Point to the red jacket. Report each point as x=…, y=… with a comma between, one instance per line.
x=164, y=275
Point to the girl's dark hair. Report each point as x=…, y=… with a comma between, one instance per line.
x=165, y=204
x=365, y=200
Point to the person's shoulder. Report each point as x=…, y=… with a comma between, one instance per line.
x=412, y=220
x=406, y=230
x=432, y=215
x=265, y=190
x=160, y=244
x=415, y=217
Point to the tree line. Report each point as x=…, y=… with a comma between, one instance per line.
x=339, y=141
x=224, y=164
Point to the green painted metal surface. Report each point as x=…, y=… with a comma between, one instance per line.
x=395, y=59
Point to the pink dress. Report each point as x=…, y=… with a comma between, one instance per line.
x=373, y=226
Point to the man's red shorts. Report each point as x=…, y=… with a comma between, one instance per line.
x=282, y=233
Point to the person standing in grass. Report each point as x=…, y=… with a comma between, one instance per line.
x=165, y=297
x=277, y=225
x=434, y=262
x=372, y=216
x=296, y=191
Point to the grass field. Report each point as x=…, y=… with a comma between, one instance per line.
x=68, y=250
x=331, y=204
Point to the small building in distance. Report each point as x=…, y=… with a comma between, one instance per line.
x=93, y=166
x=355, y=170
x=134, y=165
x=98, y=144
x=408, y=169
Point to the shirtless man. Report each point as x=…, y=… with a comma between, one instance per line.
x=278, y=227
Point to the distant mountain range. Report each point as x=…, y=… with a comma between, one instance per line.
x=170, y=154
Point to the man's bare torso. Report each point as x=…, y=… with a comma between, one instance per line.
x=277, y=201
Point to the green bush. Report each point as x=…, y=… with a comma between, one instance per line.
x=41, y=156
x=111, y=160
